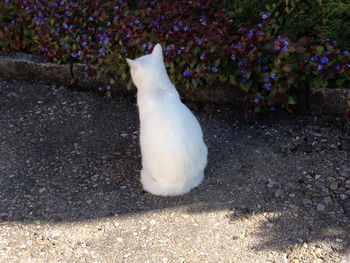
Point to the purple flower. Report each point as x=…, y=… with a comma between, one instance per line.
x=320, y=66
x=314, y=58
x=284, y=42
x=244, y=80
x=345, y=52
x=268, y=86
x=265, y=16
x=108, y=88
x=83, y=43
x=335, y=42
x=273, y=75
x=100, y=88
x=186, y=73
x=176, y=28
x=202, y=56
x=324, y=60
x=86, y=75
x=214, y=69
x=256, y=100
x=106, y=41
x=203, y=21
x=273, y=108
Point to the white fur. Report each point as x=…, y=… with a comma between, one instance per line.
x=174, y=155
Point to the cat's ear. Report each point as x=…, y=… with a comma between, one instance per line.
x=157, y=51
x=132, y=64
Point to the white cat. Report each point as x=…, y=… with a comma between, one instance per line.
x=173, y=152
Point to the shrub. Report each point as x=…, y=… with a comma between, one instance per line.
x=203, y=45
x=313, y=18
x=327, y=65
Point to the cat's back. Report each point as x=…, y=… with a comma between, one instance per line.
x=167, y=112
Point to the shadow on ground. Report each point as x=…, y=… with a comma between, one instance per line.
x=67, y=156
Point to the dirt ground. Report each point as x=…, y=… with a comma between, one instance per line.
x=275, y=191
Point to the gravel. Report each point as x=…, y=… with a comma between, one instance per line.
x=275, y=191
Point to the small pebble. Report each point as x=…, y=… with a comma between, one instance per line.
x=320, y=207
x=307, y=201
x=317, y=176
x=327, y=200
x=278, y=192
x=343, y=196
x=333, y=186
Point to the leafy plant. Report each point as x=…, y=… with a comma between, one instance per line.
x=327, y=65
x=203, y=45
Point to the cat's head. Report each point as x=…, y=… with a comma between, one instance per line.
x=147, y=69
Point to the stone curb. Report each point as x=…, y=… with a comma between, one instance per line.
x=328, y=101
x=27, y=67
x=31, y=68
x=218, y=94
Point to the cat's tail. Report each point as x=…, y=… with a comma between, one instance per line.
x=160, y=188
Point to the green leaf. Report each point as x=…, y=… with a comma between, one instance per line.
x=233, y=80
x=320, y=49
x=123, y=75
x=194, y=83
x=222, y=78
x=231, y=13
x=111, y=81
x=187, y=84
x=27, y=41
x=291, y=101
x=246, y=86
x=318, y=82
x=340, y=82
x=129, y=85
